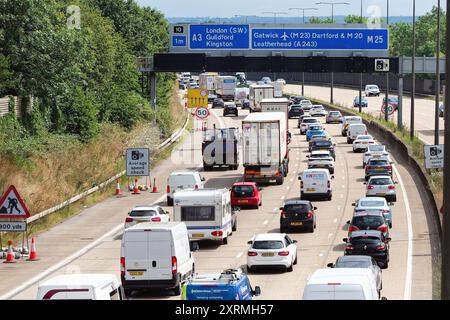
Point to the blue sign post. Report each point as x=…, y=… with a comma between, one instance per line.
x=320, y=39
x=219, y=37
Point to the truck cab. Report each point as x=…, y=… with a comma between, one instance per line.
x=231, y=284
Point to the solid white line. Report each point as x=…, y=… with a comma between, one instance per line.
x=408, y=278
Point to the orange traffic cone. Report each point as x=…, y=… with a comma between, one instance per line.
x=155, y=188
x=136, y=188
x=33, y=252
x=118, y=192
x=10, y=255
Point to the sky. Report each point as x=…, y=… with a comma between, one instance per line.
x=230, y=8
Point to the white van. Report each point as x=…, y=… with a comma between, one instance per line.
x=80, y=287
x=354, y=130
x=182, y=180
x=341, y=284
x=207, y=213
x=155, y=256
x=348, y=120
x=315, y=183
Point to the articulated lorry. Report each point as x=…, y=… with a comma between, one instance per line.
x=265, y=151
x=220, y=148
x=258, y=93
x=225, y=87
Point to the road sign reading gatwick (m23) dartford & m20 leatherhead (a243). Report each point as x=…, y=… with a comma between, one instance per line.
x=12, y=205
x=138, y=162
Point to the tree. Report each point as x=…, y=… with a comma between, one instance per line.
x=356, y=19
x=318, y=20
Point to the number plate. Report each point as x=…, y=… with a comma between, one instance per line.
x=198, y=235
x=311, y=189
x=267, y=254
x=136, y=273
x=381, y=194
x=296, y=223
x=243, y=201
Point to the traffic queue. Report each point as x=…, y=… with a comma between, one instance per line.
x=157, y=252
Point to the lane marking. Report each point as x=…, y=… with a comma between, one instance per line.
x=239, y=255
x=335, y=220
x=330, y=235
x=266, y=222
x=408, y=278
x=342, y=196
x=275, y=209
x=283, y=197
x=292, y=179
x=338, y=208
x=343, y=186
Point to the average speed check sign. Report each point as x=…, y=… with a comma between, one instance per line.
x=202, y=113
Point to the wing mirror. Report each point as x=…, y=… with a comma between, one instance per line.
x=194, y=246
x=332, y=177
x=395, y=182
x=388, y=239
x=345, y=240
x=348, y=222
x=167, y=212
x=203, y=179
x=330, y=265
x=294, y=241
x=281, y=208
x=308, y=156
x=237, y=209
x=250, y=242
x=365, y=182
x=353, y=204
x=257, y=291
x=315, y=208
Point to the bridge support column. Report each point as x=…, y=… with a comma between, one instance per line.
x=153, y=89
x=400, y=102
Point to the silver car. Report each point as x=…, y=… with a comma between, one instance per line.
x=360, y=262
x=381, y=186
x=374, y=205
x=374, y=150
x=334, y=117
x=304, y=126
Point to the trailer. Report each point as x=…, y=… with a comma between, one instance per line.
x=258, y=93
x=220, y=148
x=225, y=87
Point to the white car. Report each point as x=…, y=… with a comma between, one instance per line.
x=141, y=214
x=304, y=125
x=381, y=186
x=182, y=180
x=321, y=159
x=372, y=90
x=362, y=142
x=306, y=105
x=375, y=150
x=271, y=250
x=317, y=110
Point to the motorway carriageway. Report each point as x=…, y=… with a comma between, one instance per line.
x=410, y=273
x=424, y=113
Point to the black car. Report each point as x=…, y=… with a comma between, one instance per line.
x=297, y=213
x=230, y=108
x=368, y=221
x=369, y=243
x=378, y=167
x=295, y=111
x=218, y=103
x=324, y=145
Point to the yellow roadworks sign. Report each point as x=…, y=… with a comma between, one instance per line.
x=197, y=98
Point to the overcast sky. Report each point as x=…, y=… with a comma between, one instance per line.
x=230, y=8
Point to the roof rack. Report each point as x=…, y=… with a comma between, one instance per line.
x=231, y=274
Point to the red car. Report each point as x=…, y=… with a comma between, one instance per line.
x=246, y=194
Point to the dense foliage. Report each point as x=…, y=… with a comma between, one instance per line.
x=80, y=77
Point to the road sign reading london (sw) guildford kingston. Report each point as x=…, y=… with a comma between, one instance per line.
x=12, y=205
x=138, y=162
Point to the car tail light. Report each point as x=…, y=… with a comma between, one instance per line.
x=389, y=167
x=283, y=214
x=383, y=228
x=370, y=187
x=283, y=253
x=217, y=233
x=128, y=219
x=391, y=187
x=310, y=214
x=368, y=168
x=385, y=211
x=253, y=193
x=122, y=266
x=174, y=265
x=168, y=189
x=348, y=247
x=352, y=228
x=156, y=219
x=196, y=186
x=252, y=254
x=381, y=247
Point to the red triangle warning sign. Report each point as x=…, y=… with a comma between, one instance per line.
x=12, y=205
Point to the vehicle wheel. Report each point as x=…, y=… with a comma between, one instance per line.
x=225, y=240
x=332, y=171
x=250, y=269
x=169, y=202
x=385, y=265
x=280, y=181
x=295, y=261
x=302, y=196
x=234, y=228
x=290, y=268
x=311, y=230
x=283, y=230
x=127, y=292
x=390, y=225
x=177, y=289
x=330, y=197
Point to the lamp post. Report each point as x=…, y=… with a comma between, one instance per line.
x=386, y=115
x=413, y=74
x=438, y=76
x=332, y=4
x=275, y=14
x=303, y=9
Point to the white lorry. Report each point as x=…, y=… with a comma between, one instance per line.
x=258, y=93
x=207, y=81
x=207, y=214
x=225, y=87
x=80, y=287
x=278, y=89
x=276, y=105
x=265, y=151
x=156, y=256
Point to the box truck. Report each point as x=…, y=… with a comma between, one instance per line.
x=258, y=93
x=207, y=81
x=220, y=148
x=278, y=89
x=225, y=87
x=265, y=151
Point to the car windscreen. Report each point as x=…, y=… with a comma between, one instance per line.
x=268, y=244
x=322, y=144
x=296, y=208
x=380, y=181
x=371, y=203
x=376, y=148
x=334, y=114
x=371, y=221
x=364, y=137
x=319, y=156
x=296, y=108
x=310, y=120
x=243, y=191
x=143, y=213
x=378, y=163
x=365, y=240
x=353, y=264
x=197, y=214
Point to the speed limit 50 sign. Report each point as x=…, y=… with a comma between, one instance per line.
x=202, y=113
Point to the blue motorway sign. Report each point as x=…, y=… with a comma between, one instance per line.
x=179, y=41
x=219, y=37
x=320, y=39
